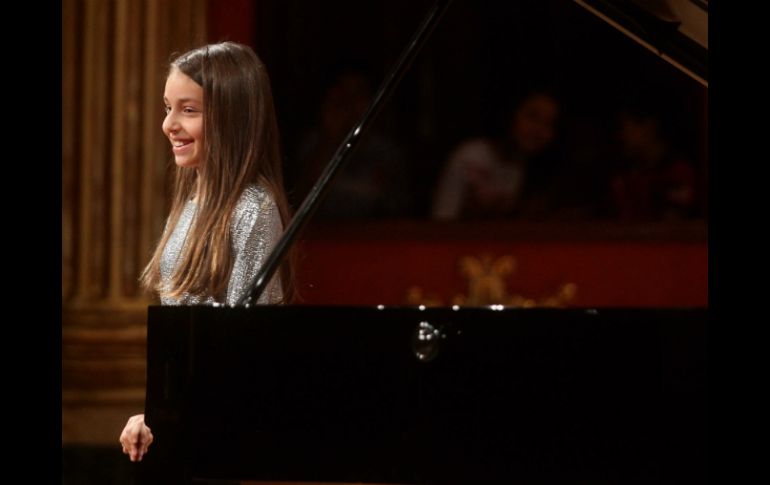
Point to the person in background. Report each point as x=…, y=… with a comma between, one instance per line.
x=486, y=177
x=652, y=180
x=373, y=183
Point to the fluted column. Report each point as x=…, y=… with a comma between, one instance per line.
x=115, y=171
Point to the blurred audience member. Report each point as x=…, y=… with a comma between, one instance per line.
x=486, y=177
x=652, y=180
x=372, y=183
x=579, y=190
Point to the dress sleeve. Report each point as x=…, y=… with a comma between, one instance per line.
x=257, y=228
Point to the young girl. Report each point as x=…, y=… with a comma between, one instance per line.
x=229, y=206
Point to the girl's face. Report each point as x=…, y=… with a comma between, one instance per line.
x=183, y=125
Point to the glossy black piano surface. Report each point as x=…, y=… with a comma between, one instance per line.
x=501, y=395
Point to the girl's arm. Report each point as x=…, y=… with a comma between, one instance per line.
x=256, y=230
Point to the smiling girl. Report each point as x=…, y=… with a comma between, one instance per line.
x=229, y=207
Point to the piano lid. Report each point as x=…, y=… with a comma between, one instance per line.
x=676, y=30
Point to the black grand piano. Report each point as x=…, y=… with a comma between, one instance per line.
x=403, y=395
x=426, y=395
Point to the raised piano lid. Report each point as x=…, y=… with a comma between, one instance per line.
x=675, y=30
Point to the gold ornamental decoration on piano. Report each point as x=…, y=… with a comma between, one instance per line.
x=486, y=278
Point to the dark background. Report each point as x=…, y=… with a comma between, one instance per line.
x=480, y=58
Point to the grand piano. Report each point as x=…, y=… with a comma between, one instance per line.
x=420, y=395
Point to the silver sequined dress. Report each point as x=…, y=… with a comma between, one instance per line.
x=256, y=228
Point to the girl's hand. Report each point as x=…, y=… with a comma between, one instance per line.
x=136, y=438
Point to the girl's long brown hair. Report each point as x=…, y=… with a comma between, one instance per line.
x=241, y=147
